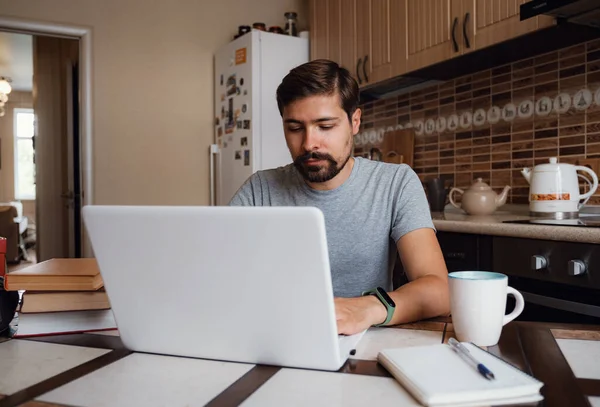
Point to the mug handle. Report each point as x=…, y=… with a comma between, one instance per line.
x=518, y=306
x=450, y=196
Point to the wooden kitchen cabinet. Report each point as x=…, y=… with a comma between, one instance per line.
x=388, y=53
x=333, y=32
x=433, y=31
x=319, y=29
x=380, y=39
x=378, y=56
x=367, y=37
x=488, y=22
x=363, y=43
x=347, y=57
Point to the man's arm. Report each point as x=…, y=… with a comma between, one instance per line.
x=425, y=296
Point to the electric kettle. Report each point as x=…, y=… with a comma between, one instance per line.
x=554, y=189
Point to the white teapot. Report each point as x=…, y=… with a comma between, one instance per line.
x=554, y=188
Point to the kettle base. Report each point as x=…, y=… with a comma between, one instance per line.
x=555, y=215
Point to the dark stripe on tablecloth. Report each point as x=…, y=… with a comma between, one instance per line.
x=549, y=365
x=589, y=387
x=243, y=388
x=510, y=349
x=44, y=404
x=364, y=367
x=63, y=378
x=444, y=332
x=86, y=340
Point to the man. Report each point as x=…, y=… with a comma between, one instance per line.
x=372, y=209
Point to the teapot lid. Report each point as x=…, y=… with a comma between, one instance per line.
x=479, y=185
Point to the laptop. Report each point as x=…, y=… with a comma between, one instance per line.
x=240, y=284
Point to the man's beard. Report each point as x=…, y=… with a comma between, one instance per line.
x=319, y=172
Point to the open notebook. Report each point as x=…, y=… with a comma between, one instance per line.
x=436, y=376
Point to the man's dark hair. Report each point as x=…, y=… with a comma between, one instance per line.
x=319, y=77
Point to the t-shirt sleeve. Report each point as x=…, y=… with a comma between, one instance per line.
x=411, y=208
x=245, y=194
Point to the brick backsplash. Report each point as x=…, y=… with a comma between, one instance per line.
x=487, y=142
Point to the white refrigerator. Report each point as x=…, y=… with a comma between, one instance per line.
x=248, y=127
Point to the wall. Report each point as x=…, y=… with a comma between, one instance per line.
x=147, y=151
x=497, y=152
x=16, y=100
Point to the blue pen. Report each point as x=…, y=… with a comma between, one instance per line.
x=466, y=355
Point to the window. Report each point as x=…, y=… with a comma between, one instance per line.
x=24, y=164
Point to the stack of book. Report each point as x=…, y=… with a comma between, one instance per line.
x=61, y=296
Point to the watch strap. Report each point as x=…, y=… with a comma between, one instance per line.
x=387, y=303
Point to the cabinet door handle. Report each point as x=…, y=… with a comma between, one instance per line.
x=358, y=71
x=465, y=22
x=454, y=43
x=365, y=69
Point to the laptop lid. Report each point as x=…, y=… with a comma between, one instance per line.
x=245, y=284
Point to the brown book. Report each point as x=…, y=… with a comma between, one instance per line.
x=51, y=301
x=56, y=275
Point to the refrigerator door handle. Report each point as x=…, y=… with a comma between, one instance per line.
x=214, y=150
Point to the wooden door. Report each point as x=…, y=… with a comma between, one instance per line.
x=433, y=31
x=363, y=41
x=55, y=94
x=334, y=24
x=398, y=36
x=348, y=58
x=380, y=58
x=489, y=22
x=319, y=36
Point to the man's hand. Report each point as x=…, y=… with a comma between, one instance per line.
x=354, y=315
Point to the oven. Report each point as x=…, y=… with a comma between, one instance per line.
x=560, y=281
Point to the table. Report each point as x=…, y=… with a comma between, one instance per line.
x=95, y=369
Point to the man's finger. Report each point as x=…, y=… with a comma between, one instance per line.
x=342, y=326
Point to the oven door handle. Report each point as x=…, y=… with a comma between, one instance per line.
x=576, y=307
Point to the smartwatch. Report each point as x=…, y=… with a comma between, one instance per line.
x=387, y=302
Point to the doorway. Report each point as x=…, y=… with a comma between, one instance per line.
x=61, y=143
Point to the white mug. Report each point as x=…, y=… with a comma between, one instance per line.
x=478, y=304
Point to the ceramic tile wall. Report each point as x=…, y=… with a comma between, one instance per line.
x=495, y=122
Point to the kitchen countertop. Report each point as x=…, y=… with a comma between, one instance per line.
x=456, y=220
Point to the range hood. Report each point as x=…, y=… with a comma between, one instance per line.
x=396, y=86
x=585, y=12
x=563, y=34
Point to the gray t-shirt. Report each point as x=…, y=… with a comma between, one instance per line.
x=364, y=217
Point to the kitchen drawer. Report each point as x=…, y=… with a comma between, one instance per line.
x=465, y=252
x=462, y=252
x=514, y=256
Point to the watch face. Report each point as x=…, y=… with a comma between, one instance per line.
x=385, y=296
